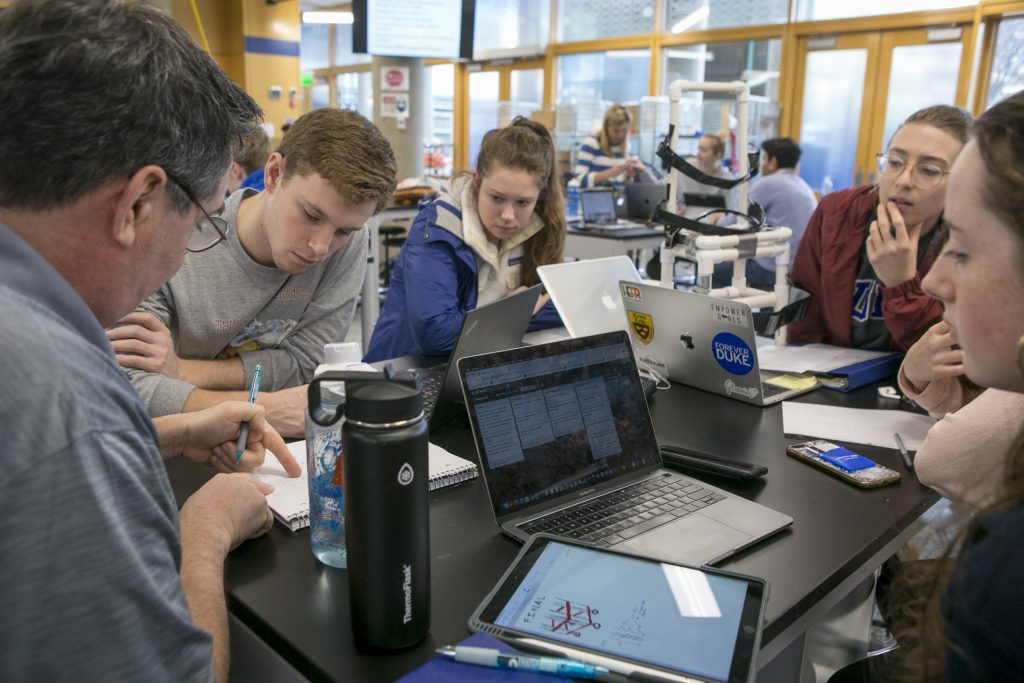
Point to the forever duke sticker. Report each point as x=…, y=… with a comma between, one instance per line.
x=732, y=353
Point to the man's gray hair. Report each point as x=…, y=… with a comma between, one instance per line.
x=93, y=90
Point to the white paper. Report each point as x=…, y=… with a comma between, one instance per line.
x=872, y=427
x=810, y=357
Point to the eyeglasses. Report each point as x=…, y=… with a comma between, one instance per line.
x=922, y=175
x=210, y=231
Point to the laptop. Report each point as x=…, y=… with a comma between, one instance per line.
x=599, y=213
x=494, y=327
x=701, y=341
x=567, y=447
x=643, y=198
x=586, y=293
x=699, y=203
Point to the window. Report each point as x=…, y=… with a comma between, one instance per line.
x=1008, y=61
x=355, y=92
x=616, y=75
x=755, y=61
x=590, y=19
x=313, y=51
x=698, y=15
x=510, y=28
x=808, y=10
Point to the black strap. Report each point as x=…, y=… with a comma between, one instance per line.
x=675, y=223
x=672, y=160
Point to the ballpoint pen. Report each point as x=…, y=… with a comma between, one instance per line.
x=244, y=434
x=903, y=452
x=483, y=656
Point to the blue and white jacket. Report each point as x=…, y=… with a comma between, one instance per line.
x=434, y=282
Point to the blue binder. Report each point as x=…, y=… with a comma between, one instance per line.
x=850, y=377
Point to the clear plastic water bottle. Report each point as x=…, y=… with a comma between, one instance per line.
x=324, y=458
x=572, y=201
x=826, y=186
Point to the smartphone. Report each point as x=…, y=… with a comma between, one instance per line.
x=648, y=620
x=843, y=463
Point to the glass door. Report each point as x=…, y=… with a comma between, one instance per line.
x=854, y=91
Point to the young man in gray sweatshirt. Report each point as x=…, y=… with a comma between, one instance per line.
x=279, y=279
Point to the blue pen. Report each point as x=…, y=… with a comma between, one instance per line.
x=483, y=656
x=253, y=390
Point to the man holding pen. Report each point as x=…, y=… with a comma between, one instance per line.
x=116, y=137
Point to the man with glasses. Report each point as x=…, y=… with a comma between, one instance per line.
x=115, y=139
x=866, y=249
x=269, y=282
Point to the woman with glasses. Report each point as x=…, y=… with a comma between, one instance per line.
x=867, y=248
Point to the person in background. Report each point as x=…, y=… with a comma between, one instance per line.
x=786, y=198
x=787, y=201
x=867, y=248
x=710, y=152
x=102, y=578
x=481, y=239
x=277, y=279
x=604, y=157
x=248, y=157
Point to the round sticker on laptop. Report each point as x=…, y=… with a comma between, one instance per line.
x=732, y=353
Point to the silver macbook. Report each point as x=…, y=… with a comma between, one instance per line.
x=567, y=447
x=701, y=341
x=586, y=293
x=599, y=212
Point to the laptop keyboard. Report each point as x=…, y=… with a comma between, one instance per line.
x=769, y=390
x=628, y=512
x=431, y=382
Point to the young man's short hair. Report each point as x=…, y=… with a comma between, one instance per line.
x=251, y=152
x=346, y=150
x=784, y=150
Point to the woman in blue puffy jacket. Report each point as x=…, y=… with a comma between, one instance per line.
x=481, y=239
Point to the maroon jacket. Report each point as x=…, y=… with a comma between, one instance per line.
x=826, y=266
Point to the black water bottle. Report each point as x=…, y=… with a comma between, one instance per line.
x=386, y=512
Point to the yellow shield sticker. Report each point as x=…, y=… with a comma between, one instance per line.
x=643, y=326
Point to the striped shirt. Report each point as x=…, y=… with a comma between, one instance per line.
x=590, y=161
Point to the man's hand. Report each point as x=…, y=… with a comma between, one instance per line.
x=933, y=357
x=892, y=247
x=227, y=510
x=286, y=410
x=212, y=436
x=142, y=341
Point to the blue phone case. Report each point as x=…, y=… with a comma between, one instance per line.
x=846, y=460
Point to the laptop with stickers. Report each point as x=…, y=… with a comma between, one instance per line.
x=567, y=447
x=702, y=341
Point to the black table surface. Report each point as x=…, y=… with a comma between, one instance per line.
x=300, y=608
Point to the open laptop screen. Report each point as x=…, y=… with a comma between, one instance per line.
x=557, y=419
x=597, y=206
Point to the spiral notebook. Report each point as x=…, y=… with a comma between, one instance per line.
x=290, y=499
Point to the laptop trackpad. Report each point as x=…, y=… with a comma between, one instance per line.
x=694, y=539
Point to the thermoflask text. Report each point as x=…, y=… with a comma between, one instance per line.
x=388, y=529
